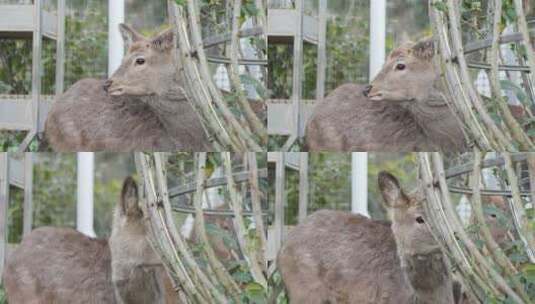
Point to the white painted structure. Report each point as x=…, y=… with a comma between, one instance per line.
x=115, y=41
x=377, y=36
x=85, y=183
x=86, y=160
x=359, y=183
x=359, y=160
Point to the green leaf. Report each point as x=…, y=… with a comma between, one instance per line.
x=529, y=272
x=255, y=292
x=441, y=6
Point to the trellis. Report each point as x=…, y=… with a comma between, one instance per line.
x=245, y=132
x=193, y=282
x=484, y=274
x=17, y=171
x=507, y=133
x=28, y=112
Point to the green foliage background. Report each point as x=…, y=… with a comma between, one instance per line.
x=54, y=192
x=330, y=182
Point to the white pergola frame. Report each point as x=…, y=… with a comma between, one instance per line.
x=28, y=112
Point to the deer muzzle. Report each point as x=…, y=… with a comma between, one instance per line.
x=107, y=84
x=367, y=90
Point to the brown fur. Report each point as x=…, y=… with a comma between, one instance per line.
x=144, y=107
x=336, y=257
x=138, y=274
x=59, y=265
x=404, y=110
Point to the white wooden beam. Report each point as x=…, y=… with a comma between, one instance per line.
x=4, y=200
x=60, y=48
x=303, y=186
x=280, y=199
x=27, y=215
x=297, y=77
x=322, y=50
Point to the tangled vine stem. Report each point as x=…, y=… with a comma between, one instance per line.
x=507, y=132
x=225, y=129
x=201, y=278
x=484, y=272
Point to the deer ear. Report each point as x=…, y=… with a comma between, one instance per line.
x=129, y=35
x=390, y=189
x=129, y=197
x=424, y=49
x=164, y=40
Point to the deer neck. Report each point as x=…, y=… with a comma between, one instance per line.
x=429, y=277
x=437, y=120
x=174, y=111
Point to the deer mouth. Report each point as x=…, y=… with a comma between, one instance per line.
x=375, y=96
x=116, y=91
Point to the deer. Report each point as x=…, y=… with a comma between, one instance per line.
x=403, y=109
x=142, y=106
x=138, y=274
x=337, y=257
x=61, y=265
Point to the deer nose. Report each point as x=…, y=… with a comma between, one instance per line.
x=107, y=84
x=367, y=90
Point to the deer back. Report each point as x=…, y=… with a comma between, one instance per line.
x=336, y=257
x=346, y=120
x=59, y=265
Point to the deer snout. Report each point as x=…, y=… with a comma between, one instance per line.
x=367, y=90
x=107, y=84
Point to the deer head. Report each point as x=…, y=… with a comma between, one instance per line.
x=148, y=67
x=412, y=235
x=408, y=74
x=129, y=202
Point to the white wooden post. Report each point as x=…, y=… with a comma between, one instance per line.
x=27, y=218
x=297, y=78
x=322, y=50
x=60, y=48
x=115, y=41
x=359, y=183
x=85, y=181
x=280, y=198
x=303, y=186
x=4, y=200
x=377, y=36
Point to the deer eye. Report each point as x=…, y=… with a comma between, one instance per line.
x=493, y=215
x=420, y=220
x=400, y=66
x=140, y=61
